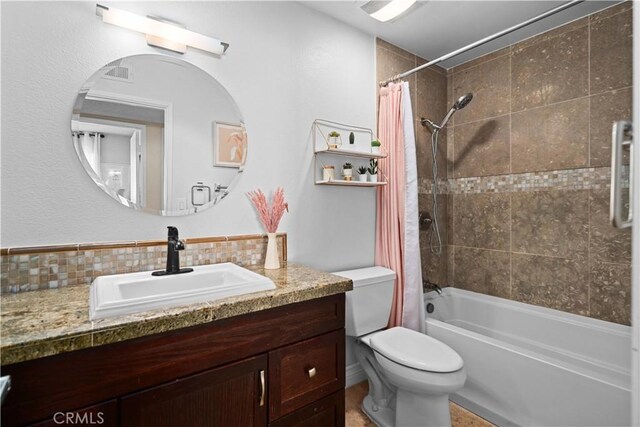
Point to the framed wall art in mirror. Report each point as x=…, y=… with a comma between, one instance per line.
x=230, y=144
x=142, y=129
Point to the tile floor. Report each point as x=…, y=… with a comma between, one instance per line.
x=460, y=417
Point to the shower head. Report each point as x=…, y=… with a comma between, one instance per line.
x=463, y=101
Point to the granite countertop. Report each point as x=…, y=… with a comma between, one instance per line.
x=47, y=322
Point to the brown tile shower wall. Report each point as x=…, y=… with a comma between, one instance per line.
x=528, y=169
x=523, y=191
x=45, y=267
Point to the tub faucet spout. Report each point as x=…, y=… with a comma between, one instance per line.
x=427, y=285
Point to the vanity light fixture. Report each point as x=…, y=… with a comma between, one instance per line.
x=161, y=33
x=385, y=11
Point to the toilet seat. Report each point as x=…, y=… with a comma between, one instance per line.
x=421, y=382
x=414, y=350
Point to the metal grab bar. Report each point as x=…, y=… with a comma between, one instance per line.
x=620, y=138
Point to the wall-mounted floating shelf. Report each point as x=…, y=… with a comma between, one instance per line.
x=352, y=153
x=361, y=149
x=351, y=183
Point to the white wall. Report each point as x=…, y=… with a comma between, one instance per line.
x=286, y=66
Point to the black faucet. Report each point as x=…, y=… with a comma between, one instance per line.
x=173, y=256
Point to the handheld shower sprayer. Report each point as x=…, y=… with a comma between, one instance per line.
x=463, y=101
x=460, y=103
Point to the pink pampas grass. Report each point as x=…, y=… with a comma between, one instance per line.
x=269, y=215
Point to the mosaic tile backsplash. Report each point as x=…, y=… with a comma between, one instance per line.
x=27, y=269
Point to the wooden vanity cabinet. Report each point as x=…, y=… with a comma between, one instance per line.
x=233, y=395
x=279, y=367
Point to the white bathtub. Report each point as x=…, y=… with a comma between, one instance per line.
x=533, y=366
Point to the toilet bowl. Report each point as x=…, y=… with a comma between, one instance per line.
x=410, y=374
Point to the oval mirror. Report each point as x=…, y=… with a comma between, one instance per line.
x=159, y=134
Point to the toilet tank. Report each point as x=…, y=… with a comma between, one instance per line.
x=369, y=303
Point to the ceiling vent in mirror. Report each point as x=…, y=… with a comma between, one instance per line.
x=117, y=70
x=385, y=11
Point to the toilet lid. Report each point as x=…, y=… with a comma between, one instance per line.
x=416, y=350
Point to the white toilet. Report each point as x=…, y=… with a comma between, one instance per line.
x=410, y=374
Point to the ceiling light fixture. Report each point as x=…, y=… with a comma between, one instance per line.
x=385, y=11
x=161, y=33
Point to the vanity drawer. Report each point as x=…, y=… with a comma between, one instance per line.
x=305, y=372
x=326, y=412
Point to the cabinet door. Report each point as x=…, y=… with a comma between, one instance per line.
x=232, y=395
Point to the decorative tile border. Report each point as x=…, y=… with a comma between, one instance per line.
x=44, y=267
x=425, y=186
x=569, y=179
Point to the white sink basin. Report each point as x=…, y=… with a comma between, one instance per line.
x=132, y=293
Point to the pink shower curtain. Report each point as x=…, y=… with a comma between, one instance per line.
x=390, y=198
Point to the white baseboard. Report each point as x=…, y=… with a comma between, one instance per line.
x=355, y=375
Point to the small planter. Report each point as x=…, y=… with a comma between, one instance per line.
x=334, y=142
x=347, y=171
x=362, y=174
x=373, y=170
x=375, y=147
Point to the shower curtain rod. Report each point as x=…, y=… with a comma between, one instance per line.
x=483, y=41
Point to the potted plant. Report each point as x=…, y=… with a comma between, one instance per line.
x=347, y=171
x=335, y=140
x=375, y=146
x=373, y=170
x=362, y=171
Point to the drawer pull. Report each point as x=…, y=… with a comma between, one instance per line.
x=262, y=387
x=311, y=372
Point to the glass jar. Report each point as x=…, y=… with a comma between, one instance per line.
x=328, y=173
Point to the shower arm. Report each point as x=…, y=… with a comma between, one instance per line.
x=482, y=41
